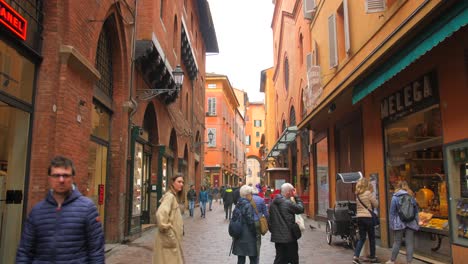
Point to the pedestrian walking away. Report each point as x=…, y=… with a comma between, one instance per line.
x=168, y=237
x=246, y=244
x=191, y=198
x=365, y=201
x=210, y=197
x=64, y=227
x=216, y=193
x=203, y=198
x=282, y=225
x=221, y=194
x=228, y=200
x=399, y=226
x=261, y=210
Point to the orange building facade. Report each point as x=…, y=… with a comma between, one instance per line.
x=384, y=95
x=285, y=145
x=254, y=141
x=225, y=134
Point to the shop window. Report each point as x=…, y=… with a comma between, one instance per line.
x=97, y=172
x=16, y=74
x=100, y=122
x=414, y=154
x=322, y=177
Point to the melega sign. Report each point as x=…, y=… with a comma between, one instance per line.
x=12, y=20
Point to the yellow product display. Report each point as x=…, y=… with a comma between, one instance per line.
x=423, y=197
x=437, y=223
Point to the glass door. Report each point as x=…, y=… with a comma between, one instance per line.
x=145, y=190
x=14, y=133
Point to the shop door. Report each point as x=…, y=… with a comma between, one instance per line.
x=97, y=173
x=350, y=154
x=146, y=190
x=14, y=133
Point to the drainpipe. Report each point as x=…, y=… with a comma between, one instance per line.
x=130, y=124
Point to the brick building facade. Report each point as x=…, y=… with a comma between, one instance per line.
x=93, y=80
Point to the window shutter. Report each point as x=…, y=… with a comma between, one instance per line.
x=346, y=26
x=209, y=106
x=315, y=57
x=332, y=41
x=309, y=8
x=373, y=6
x=213, y=100
x=309, y=58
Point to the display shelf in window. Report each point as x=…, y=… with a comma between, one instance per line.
x=457, y=178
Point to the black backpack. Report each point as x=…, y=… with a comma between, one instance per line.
x=406, y=209
x=235, y=225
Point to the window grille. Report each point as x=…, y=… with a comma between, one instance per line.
x=104, y=58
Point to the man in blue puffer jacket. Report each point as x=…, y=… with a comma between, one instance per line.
x=65, y=227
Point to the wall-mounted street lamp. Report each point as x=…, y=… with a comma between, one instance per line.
x=210, y=140
x=177, y=74
x=210, y=137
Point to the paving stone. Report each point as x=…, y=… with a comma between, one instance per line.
x=206, y=241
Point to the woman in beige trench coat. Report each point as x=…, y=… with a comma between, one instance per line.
x=168, y=240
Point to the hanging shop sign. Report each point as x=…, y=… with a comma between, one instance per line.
x=417, y=95
x=12, y=20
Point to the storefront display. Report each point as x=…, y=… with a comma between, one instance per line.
x=414, y=154
x=457, y=169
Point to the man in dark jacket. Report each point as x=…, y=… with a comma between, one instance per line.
x=191, y=197
x=65, y=227
x=282, y=216
x=228, y=200
x=236, y=194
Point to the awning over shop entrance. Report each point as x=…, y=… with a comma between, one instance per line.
x=437, y=32
x=288, y=136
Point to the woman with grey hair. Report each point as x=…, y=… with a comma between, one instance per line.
x=246, y=244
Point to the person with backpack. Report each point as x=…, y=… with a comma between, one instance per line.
x=403, y=220
x=365, y=202
x=244, y=233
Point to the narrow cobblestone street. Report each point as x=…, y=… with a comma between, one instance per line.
x=207, y=241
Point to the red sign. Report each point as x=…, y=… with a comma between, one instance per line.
x=101, y=194
x=12, y=20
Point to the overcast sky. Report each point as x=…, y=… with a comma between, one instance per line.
x=243, y=29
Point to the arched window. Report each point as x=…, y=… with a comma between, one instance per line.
x=104, y=58
x=292, y=117
x=174, y=37
x=301, y=48
x=286, y=74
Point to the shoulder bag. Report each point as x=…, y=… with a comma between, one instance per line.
x=375, y=218
x=261, y=219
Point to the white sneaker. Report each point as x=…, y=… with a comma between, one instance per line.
x=390, y=262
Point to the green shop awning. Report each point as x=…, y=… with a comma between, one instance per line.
x=288, y=136
x=445, y=26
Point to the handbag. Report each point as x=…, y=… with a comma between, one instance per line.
x=296, y=231
x=300, y=222
x=375, y=217
x=261, y=219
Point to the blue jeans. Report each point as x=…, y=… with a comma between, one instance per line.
x=409, y=243
x=365, y=227
x=191, y=205
x=203, y=208
x=210, y=201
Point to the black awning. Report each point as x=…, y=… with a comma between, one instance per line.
x=156, y=73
